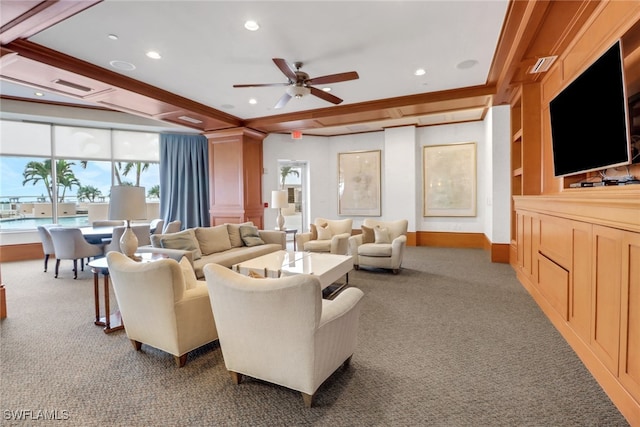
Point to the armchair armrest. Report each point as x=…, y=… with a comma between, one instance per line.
x=340, y=244
x=344, y=302
x=301, y=239
x=354, y=242
x=274, y=236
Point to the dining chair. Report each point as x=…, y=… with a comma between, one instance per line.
x=69, y=243
x=156, y=226
x=47, y=243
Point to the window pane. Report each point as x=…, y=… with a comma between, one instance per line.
x=91, y=190
x=23, y=206
x=25, y=139
x=82, y=143
x=141, y=146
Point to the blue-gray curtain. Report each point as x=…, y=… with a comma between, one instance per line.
x=184, y=179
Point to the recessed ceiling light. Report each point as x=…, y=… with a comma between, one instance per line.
x=326, y=89
x=420, y=72
x=122, y=65
x=251, y=25
x=464, y=65
x=112, y=37
x=253, y=101
x=38, y=93
x=153, y=54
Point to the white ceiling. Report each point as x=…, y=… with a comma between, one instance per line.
x=205, y=48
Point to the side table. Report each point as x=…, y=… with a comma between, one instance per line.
x=111, y=321
x=292, y=231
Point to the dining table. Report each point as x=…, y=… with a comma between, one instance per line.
x=96, y=235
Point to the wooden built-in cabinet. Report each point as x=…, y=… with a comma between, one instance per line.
x=579, y=257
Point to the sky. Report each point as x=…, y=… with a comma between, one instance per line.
x=97, y=174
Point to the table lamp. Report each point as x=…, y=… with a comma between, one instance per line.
x=278, y=201
x=128, y=203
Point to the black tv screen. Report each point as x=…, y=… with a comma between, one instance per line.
x=589, y=119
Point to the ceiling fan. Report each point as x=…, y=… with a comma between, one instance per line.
x=299, y=83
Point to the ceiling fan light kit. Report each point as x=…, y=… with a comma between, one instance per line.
x=299, y=83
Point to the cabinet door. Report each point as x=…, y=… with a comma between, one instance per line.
x=630, y=316
x=580, y=280
x=605, y=319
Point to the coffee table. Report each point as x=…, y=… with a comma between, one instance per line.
x=327, y=267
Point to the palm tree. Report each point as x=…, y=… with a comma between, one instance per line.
x=36, y=172
x=139, y=167
x=286, y=171
x=154, y=192
x=89, y=191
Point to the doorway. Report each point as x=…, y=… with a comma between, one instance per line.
x=293, y=178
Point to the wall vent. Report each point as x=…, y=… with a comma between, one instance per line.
x=73, y=85
x=543, y=64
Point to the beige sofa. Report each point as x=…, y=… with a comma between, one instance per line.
x=222, y=244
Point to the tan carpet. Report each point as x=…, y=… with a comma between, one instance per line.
x=453, y=340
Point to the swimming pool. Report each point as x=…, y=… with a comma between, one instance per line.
x=13, y=224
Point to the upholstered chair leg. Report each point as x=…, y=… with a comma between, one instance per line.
x=356, y=267
x=347, y=362
x=75, y=268
x=181, y=360
x=136, y=344
x=82, y=264
x=57, y=266
x=46, y=262
x=308, y=399
x=396, y=270
x=236, y=377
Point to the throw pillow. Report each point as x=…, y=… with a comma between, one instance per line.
x=324, y=232
x=213, y=239
x=234, y=234
x=190, y=279
x=183, y=240
x=368, y=236
x=381, y=234
x=314, y=231
x=250, y=236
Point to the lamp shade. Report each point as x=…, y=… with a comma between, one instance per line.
x=279, y=199
x=127, y=202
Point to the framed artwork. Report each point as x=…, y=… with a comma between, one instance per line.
x=449, y=180
x=359, y=183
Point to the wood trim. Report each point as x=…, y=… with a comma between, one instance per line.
x=21, y=252
x=450, y=240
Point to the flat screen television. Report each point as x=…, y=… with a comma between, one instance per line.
x=589, y=119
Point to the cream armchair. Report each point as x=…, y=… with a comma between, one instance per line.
x=281, y=330
x=380, y=245
x=162, y=305
x=327, y=235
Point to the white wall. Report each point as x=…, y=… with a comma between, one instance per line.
x=402, y=172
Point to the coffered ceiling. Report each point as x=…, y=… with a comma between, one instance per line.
x=93, y=53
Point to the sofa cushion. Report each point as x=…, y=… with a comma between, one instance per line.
x=314, y=231
x=368, y=235
x=234, y=234
x=375, y=249
x=183, y=240
x=190, y=279
x=318, y=246
x=250, y=236
x=213, y=239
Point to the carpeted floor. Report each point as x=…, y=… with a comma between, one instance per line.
x=453, y=340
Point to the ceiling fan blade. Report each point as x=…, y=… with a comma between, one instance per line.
x=285, y=68
x=262, y=85
x=333, y=78
x=325, y=95
x=283, y=100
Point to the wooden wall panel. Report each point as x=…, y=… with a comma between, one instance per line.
x=630, y=319
x=553, y=283
x=580, y=280
x=605, y=318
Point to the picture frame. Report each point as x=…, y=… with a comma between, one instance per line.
x=359, y=183
x=449, y=179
